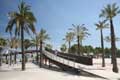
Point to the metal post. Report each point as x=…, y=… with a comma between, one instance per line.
x=68, y=60
x=10, y=59
x=0, y=59
x=74, y=62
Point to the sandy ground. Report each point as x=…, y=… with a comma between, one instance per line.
x=33, y=72
x=108, y=65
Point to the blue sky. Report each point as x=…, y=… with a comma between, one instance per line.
x=56, y=16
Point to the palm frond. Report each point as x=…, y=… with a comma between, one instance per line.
x=110, y=11
x=42, y=36
x=101, y=25
x=29, y=16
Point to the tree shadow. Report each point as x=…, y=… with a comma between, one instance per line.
x=80, y=73
x=118, y=79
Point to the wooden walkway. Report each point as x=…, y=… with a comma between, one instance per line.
x=67, y=65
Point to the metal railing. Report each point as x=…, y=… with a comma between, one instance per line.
x=86, y=60
x=60, y=60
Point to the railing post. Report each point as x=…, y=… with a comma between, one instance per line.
x=74, y=62
x=63, y=61
x=49, y=63
x=68, y=60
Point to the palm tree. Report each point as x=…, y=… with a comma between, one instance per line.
x=35, y=42
x=27, y=43
x=48, y=46
x=80, y=32
x=0, y=56
x=24, y=20
x=68, y=38
x=108, y=39
x=100, y=26
x=63, y=48
x=109, y=12
x=14, y=43
x=3, y=42
x=17, y=45
x=42, y=36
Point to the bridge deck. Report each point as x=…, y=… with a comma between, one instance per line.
x=91, y=69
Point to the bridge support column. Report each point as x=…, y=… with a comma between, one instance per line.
x=15, y=55
x=6, y=58
x=40, y=63
x=10, y=58
x=49, y=63
x=0, y=59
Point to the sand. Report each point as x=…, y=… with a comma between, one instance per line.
x=33, y=72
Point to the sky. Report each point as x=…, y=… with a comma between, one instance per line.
x=57, y=16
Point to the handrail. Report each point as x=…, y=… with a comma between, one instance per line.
x=59, y=59
x=79, y=59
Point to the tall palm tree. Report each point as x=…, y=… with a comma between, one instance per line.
x=108, y=39
x=109, y=12
x=24, y=20
x=68, y=38
x=42, y=36
x=100, y=26
x=80, y=32
x=35, y=42
x=27, y=43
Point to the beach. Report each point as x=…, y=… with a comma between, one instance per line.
x=33, y=72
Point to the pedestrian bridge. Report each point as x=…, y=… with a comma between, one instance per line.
x=69, y=65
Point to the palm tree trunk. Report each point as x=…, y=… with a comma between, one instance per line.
x=37, y=49
x=81, y=51
x=22, y=48
x=102, y=45
x=15, y=55
x=10, y=58
x=0, y=59
x=69, y=43
x=41, y=53
x=113, y=47
x=78, y=51
x=37, y=54
x=6, y=59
